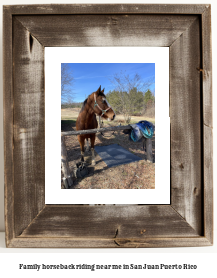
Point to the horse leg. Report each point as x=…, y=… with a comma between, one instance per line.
x=88, y=147
x=81, y=141
x=92, y=148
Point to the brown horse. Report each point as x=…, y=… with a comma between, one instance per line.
x=96, y=103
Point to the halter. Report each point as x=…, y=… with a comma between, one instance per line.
x=96, y=104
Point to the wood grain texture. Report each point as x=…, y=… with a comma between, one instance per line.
x=65, y=165
x=107, y=30
x=208, y=183
x=8, y=125
x=108, y=222
x=207, y=123
x=29, y=139
x=207, y=67
x=29, y=223
x=69, y=242
x=106, y=9
x=148, y=146
x=185, y=113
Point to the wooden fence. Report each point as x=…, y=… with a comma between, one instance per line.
x=67, y=179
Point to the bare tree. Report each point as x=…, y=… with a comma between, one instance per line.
x=125, y=84
x=67, y=81
x=69, y=101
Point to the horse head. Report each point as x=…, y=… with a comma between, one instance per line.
x=102, y=107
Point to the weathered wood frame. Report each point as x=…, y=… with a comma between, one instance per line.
x=188, y=220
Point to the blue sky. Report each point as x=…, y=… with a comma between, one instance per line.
x=88, y=77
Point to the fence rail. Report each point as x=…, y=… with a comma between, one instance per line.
x=96, y=130
x=65, y=167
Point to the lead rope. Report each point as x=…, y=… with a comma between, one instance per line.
x=102, y=126
x=103, y=112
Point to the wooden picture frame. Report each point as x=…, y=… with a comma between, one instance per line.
x=186, y=30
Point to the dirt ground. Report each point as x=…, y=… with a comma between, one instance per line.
x=136, y=175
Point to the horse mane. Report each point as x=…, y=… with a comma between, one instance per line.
x=85, y=102
x=102, y=94
x=83, y=105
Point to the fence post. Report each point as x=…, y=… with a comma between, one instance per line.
x=148, y=141
x=67, y=180
x=148, y=146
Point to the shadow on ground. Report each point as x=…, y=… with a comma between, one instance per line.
x=136, y=175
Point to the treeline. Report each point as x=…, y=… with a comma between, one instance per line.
x=71, y=105
x=132, y=103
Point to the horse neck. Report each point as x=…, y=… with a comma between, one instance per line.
x=89, y=107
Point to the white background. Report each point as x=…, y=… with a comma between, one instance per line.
x=53, y=192
x=205, y=257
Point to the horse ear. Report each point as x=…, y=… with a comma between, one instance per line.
x=103, y=90
x=99, y=90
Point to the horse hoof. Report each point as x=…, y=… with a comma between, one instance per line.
x=93, y=163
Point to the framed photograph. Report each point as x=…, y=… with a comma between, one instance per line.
x=136, y=69
x=176, y=209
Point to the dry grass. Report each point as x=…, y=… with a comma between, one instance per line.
x=69, y=113
x=72, y=113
